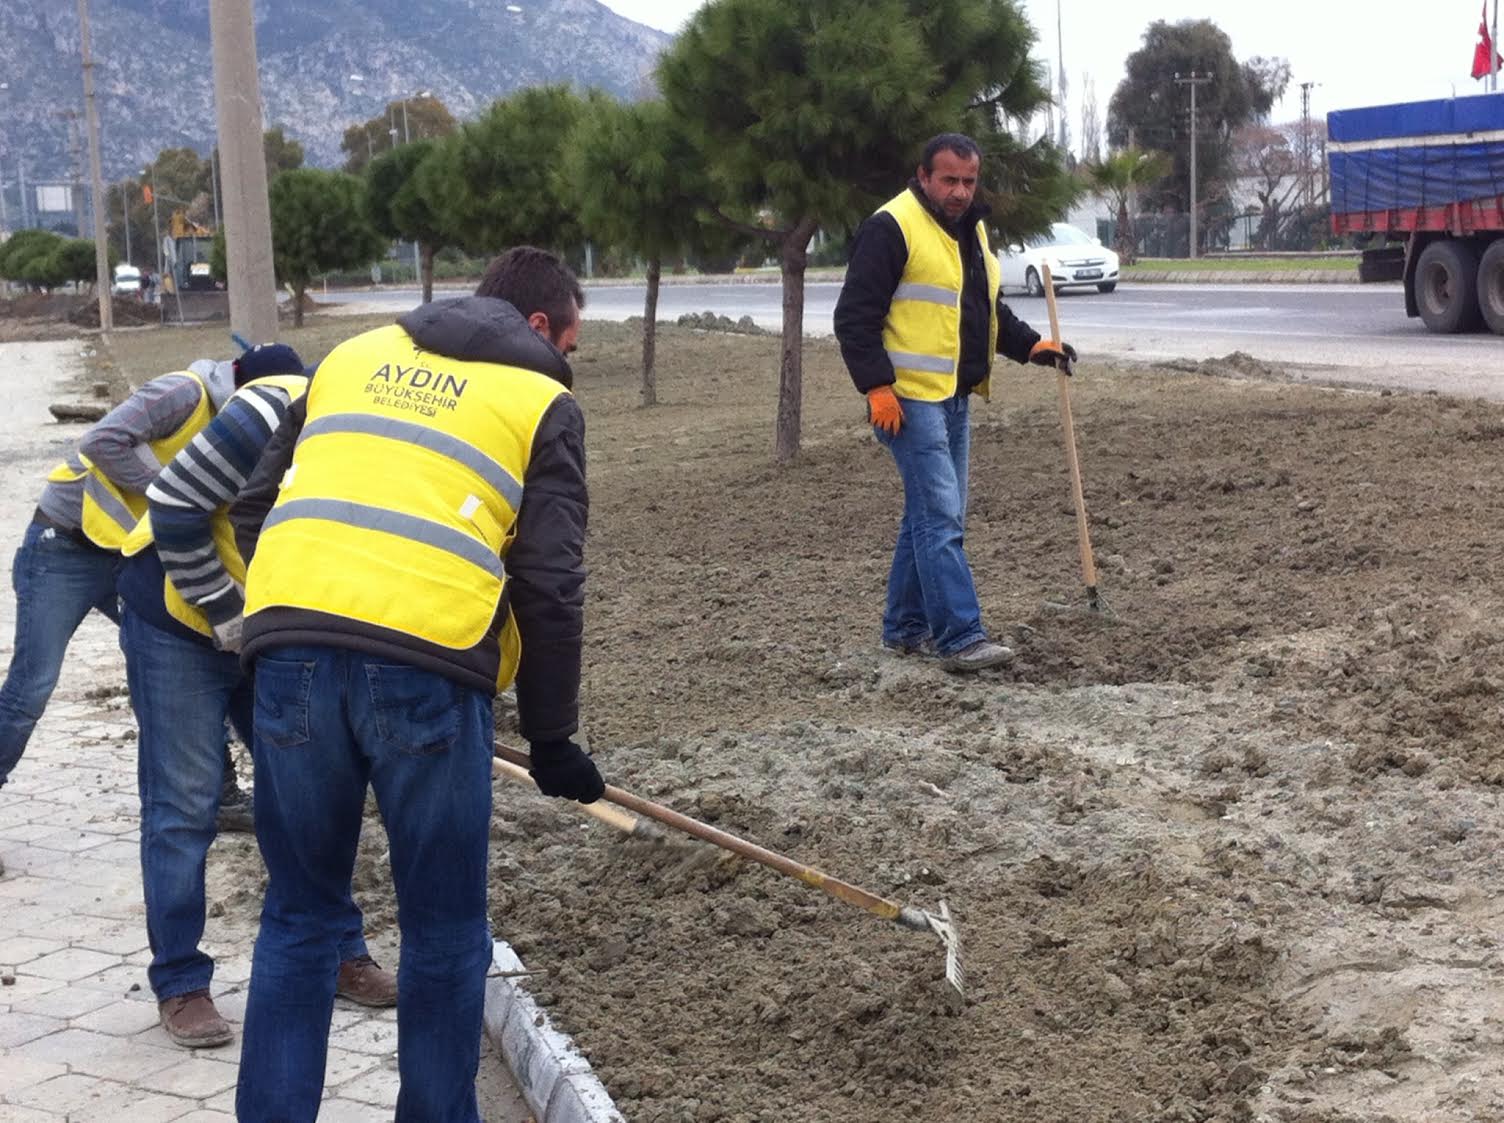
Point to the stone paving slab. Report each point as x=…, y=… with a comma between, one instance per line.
x=79, y=1039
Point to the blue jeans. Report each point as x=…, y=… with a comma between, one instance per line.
x=328, y=722
x=930, y=591
x=57, y=582
x=182, y=692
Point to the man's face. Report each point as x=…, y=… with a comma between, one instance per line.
x=952, y=184
x=562, y=338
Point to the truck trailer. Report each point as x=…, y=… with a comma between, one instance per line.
x=1422, y=185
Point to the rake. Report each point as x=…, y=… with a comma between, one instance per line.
x=919, y=920
x=1094, y=602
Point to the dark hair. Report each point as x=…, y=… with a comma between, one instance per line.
x=533, y=280
x=959, y=143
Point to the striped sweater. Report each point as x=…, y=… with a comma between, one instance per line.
x=202, y=481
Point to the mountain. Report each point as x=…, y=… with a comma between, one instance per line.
x=154, y=75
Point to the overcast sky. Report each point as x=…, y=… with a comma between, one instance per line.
x=1361, y=54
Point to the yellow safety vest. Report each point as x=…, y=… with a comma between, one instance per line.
x=403, y=494
x=110, y=512
x=922, y=333
x=223, y=532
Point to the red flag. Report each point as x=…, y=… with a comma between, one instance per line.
x=145, y=193
x=1485, y=58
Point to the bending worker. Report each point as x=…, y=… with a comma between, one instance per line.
x=426, y=544
x=180, y=584
x=69, y=558
x=919, y=319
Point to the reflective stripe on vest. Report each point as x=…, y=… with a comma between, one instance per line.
x=221, y=530
x=922, y=331
x=442, y=443
x=403, y=494
x=110, y=512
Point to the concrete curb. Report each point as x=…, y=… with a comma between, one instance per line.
x=1234, y=276
x=554, y=1078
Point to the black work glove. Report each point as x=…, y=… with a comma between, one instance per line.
x=564, y=770
x=1048, y=353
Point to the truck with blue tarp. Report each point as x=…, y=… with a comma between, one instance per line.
x=1422, y=183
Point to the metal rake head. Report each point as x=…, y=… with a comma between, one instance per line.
x=941, y=924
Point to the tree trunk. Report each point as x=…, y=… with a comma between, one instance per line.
x=425, y=258
x=1127, y=250
x=794, y=257
x=298, y=289
x=650, y=332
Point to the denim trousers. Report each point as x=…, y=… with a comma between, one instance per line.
x=182, y=693
x=328, y=722
x=57, y=581
x=931, y=594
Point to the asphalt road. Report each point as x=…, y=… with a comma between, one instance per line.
x=1360, y=331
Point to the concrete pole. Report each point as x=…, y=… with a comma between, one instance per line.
x=1193, y=80
x=96, y=177
x=247, y=214
x=125, y=200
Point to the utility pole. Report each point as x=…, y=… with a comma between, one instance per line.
x=1307, y=184
x=96, y=176
x=125, y=205
x=247, y=213
x=1493, y=63
x=76, y=158
x=1193, y=80
x=4, y=222
x=25, y=205
x=1065, y=116
x=156, y=223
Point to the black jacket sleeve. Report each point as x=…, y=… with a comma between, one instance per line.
x=255, y=500
x=1014, y=337
x=546, y=570
x=878, y=255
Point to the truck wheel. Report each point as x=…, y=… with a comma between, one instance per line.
x=1491, y=286
x=1446, y=286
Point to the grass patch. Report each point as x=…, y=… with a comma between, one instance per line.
x=1245, y=264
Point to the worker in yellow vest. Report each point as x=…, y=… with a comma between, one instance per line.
x=425, y=548
x=919, y=319
x=70, y=555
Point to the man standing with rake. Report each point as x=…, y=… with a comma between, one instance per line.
x=919, y=319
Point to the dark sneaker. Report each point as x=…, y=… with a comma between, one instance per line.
x=362, y=980
x=237, y=812
x=925, y=647
x=979, y=656
x=192, y=1021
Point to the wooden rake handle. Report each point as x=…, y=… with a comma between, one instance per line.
x=842, y=891
x=1068, y=424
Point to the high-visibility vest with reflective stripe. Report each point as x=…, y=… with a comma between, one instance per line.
x=403, y=494
x=110, y=512
x=922, y=333
x=296, y=385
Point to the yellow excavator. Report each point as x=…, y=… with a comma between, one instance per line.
x=185, y=261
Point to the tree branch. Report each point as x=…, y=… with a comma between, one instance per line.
x=746, y=227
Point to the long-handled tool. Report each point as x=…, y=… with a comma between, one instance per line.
x=1083, y=533
x=940, y=923
x=611, y=816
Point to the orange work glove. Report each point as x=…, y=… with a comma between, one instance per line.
x=884, y=411
x=1048, y=353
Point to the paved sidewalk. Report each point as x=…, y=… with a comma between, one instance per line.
x=79, y=1039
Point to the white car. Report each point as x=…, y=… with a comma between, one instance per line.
x=1075, y=260
x=127, y=281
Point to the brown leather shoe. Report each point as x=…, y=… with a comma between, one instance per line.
x=362, y=980
x=192, y=1021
